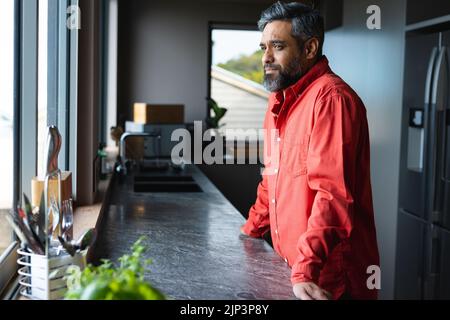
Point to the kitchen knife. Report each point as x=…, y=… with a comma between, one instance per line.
x=52, y=147
x=56, y=216
x=29, y=212
x=29, y=232
x=31, y=237
x=41, y=220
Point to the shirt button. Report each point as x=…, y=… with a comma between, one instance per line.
x=273, y=200
x=285, y=260
x=276, y=231
x=276, y=170
x=278, y=139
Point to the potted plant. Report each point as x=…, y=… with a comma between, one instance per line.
x=217, y=114
x=109, y=282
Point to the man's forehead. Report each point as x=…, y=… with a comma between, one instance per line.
x=277, y=30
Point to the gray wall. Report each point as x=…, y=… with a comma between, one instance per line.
x=163, y=50
x=372, y=63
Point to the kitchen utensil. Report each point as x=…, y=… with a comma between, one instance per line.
x=54, y=218
x=84, y=241
x=67, y=219
x=41, y=220
x=35, y=217
x=29, y=211
x=42, y=277
x=23, y=217
x=31, y=238
x=53, y=145
x=68, y=245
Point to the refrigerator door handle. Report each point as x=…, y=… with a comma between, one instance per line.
x=438, y=118
x=440, y=72
x=430, y=135
x=441, y=88
x=429, y=78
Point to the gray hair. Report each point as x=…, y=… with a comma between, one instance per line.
x=306, y=21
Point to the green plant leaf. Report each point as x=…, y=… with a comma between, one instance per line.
x=108, y=282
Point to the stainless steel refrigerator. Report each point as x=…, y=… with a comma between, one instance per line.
x=423, y=230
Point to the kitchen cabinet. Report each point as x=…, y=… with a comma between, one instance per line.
x=237, y=182
x=419, y=10
x=333, y=13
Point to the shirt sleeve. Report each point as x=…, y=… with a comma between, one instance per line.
x=330, y=174
x=258, y=221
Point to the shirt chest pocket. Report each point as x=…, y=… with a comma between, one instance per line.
x=295, y=155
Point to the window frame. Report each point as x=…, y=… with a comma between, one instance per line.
x=239, y=147
x=222, y=26
x=110, y=66
x=72, y=114
x=8, y=266
x=62, y=83
x=63, y=92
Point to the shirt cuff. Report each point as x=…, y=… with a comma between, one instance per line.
x=250, y=230
x=304, y=273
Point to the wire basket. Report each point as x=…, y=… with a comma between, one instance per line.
x=42, y=277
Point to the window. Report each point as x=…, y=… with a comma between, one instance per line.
x=9, y=143
x=57, y=72
x=6, y=119
x=38, y=64
x=110, y=70
x=236, y=77
x=42, y=81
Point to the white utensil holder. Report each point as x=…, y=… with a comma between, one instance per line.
x=42, y=277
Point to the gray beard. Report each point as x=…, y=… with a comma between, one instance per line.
x=285, y=79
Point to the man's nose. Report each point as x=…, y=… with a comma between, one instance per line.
x=267, y=57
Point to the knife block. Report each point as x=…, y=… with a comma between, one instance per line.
x=37, y=187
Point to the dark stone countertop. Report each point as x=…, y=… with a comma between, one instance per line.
x=194, y=242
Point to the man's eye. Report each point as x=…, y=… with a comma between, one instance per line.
x=278, y=47
x=263, y=48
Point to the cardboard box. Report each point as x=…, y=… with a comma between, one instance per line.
x=158, y=113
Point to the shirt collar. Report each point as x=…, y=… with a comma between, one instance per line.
x=319, y=69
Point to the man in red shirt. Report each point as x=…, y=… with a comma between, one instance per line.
x=315, y=196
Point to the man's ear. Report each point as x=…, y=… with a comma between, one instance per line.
x=312, y=48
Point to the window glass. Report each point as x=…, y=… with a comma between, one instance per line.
x=42, y=82
x=237, y=77
x=6, y=118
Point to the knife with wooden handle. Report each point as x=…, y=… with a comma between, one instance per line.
x=52, y=147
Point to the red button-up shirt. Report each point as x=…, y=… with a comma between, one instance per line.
x=315, y=195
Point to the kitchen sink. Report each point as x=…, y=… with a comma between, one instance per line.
x=154, y=165
x=165, y=184
x=163, y=179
